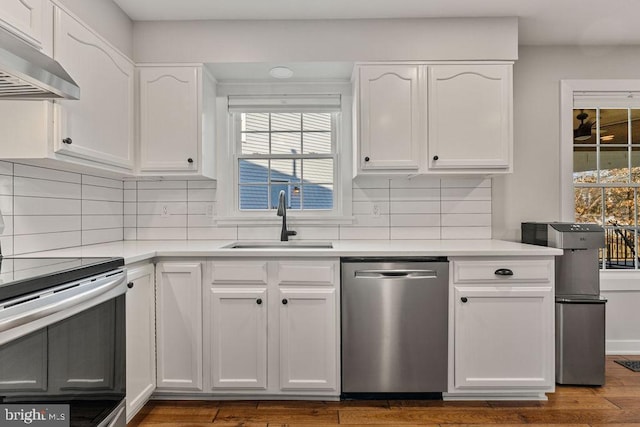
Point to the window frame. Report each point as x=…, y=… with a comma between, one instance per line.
x=227, y=206
x=568, y=89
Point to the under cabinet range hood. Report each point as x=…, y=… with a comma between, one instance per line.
x=27, y=73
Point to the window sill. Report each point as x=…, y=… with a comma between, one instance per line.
x=291, y=220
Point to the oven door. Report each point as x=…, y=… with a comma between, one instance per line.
x=68, y=347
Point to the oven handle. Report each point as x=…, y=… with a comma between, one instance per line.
x=65, y=304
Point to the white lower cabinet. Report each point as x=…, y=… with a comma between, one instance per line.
x=141, y=345
x=269, y=332
x=179, y=326
x=502, y=333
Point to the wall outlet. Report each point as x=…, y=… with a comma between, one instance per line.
x=211, y=211
x=376, y=210
x=165, y=210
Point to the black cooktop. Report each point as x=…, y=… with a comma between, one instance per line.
x=22, y=276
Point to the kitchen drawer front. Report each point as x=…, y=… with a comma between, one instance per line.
x=322, y=273
x=239, y=272
x=498, y=271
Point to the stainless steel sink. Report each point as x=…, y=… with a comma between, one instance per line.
x=280, y=245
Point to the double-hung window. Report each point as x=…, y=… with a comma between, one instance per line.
x=286, y=144
x=606, y=172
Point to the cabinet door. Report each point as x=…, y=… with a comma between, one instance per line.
x=23, y=363
x=179, y=325
x=99, y=126
x=24, y=18
x=239, y=338
x=503, y=337
x=470, y=115
x=141, y=346
x=389, y=111
x=169, y=123
x=308, y=339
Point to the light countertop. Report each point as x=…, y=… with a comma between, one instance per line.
x=141, y=250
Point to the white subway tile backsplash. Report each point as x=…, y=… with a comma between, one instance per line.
x=6, y=168
x=213, y=233
x=45, y=224
x=46, y=241
x=130, y=185
x=415, y=194
x=130, y=208
x=6, y=205
x=370, y=182
x=369, y=208
x=453, y=233
x=201, y=184
x=363, y=233
x=317, y=233
x=247, y=232
x=8, y=226
x=6, y=245
x=130, y=221
x=466, y=220
x=370, y=194
x=466, y=182
x=199, y=208
x=102, y=182
x=200, y=221
x=41, y=188
x=174, y=195
x=415, y=220
x=92, y=237
x=162, y=233
x=413, y=207
x=46, y=174
x=6, y=185
x=416, y=182
x=101, y=207
x=159, y=221
x=201, y=195
x=130, y=234
x=45, y=206
x=462, y=206
x=97, y=222
x=415, y=233
x=91, y=192
x=162, y=185
x=371, y=221
x=478, y=193
x=158, y=208
x=130, y=196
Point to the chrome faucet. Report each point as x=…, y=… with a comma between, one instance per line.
x=282, y=211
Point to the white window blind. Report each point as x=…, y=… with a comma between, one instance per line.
x=284, y=103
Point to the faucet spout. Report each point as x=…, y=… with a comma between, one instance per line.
x=282, y=211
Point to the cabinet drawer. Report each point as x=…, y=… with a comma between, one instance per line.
x=240, y=272
x=308, y=273
x=525, y=271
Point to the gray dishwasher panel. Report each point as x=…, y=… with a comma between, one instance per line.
x=394, y=327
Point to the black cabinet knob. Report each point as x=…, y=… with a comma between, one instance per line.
x=366, y=159
x=435, y=158
x=130, y=285
x=190, y=160
x=284, y=301
x=67, y=141
x=464, y=299
x=259, y=301
x=503, y=272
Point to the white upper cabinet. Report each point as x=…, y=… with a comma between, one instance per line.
x=470, y=118
x=176, y=117
x=99, y=126
x=27, y=19
x=427, y=118
x=389, y=120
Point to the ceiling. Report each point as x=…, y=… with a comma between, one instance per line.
x=541, y=22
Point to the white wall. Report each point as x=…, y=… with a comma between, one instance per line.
x=532, y=192
x=326, y=40
x=107, y=19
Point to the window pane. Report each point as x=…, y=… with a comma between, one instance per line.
x=318, y=171
x=292, y=195
x=286, y=121
x=287, y=170
x=316, y=142
x=619, y=206
x=316, y=121
x=584, y=121
x=253, y=197
x=635, y=164
x=614, y=164
x=614, y=126
x=635, y=126
x=255, y=143
x=286, y=143
x=254, y=171
x=255, y=122
x=620, y=247
x=585, y=167
x=588, y=205
x=317, y=196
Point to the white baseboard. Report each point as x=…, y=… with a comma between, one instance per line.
x=622, y=347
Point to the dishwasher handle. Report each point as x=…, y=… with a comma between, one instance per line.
x=395, y=274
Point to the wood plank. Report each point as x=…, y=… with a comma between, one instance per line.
x=283, y=416
x=429, y=416
x=322, y=404
x=177, y=414
x=579, y=416
x=617, y=391
x=626, y=402
x=472, y=404
x=562, y=402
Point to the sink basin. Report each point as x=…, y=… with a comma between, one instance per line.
x=280, y=245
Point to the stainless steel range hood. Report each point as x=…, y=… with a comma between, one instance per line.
x=27, y=73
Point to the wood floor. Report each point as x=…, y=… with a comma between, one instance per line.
x=615, y=404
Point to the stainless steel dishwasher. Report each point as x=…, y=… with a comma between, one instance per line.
x=394, y=326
